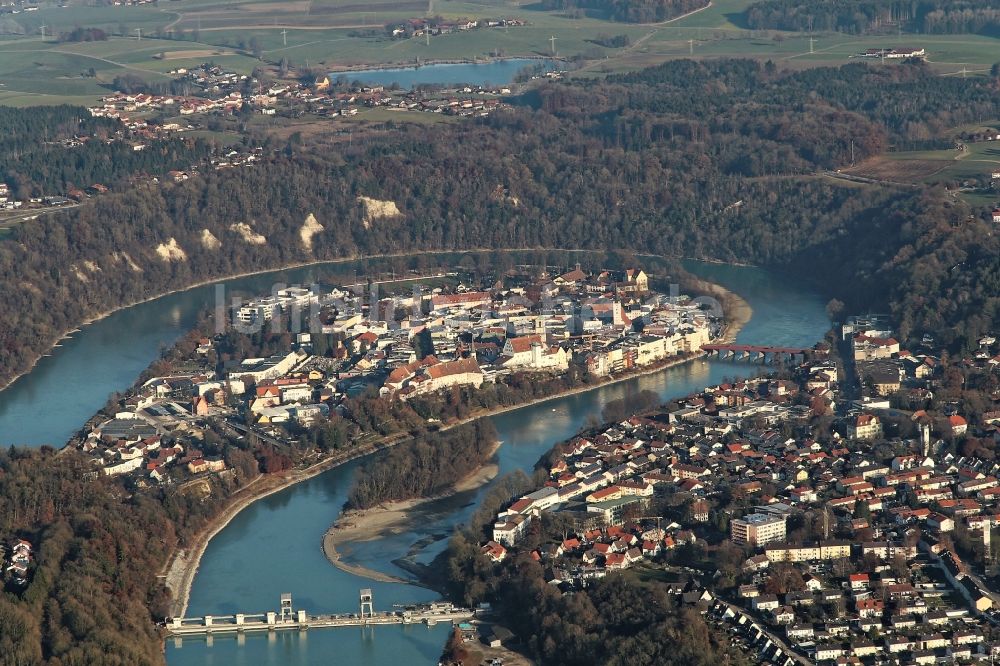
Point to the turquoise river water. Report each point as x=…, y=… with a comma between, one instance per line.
x=274, y=545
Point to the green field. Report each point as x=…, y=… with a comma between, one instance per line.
x=962, y=170
x=976, y=161
x=950, y=54
x=980, y=159
x=321, y=33
x=38, y=71
x=337, y=34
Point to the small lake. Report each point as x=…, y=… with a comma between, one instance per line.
x=494, y=72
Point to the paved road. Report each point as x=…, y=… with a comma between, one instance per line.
x=780, y=642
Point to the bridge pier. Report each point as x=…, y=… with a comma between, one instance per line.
x=367, y=603
x=763, y=354
x=269, y=623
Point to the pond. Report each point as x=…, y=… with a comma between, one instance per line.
x=493, y=72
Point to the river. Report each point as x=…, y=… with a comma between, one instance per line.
x=274, y=545
x=49, y=404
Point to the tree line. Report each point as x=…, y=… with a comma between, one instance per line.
x=80, y=34
x=93, y=593
x=947, y=17
x=629, y=11
x=427, y=466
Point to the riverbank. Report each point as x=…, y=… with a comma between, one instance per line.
x=604, y=381
x=182, y=564
x=392, y=518
x=735, y=309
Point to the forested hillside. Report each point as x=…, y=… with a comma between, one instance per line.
x=901, y=106
x=93, y=594
x=714, y=160
x=40, y=156
x=616, y=621
x=947, y=17
x=425, y=467
x=721, y=160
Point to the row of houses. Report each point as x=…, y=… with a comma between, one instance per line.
x=475, y=336
x=419, y=27
x=872, y=535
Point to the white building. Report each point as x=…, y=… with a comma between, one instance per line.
x=507, y=532
x=529, y=352
x=757, y=529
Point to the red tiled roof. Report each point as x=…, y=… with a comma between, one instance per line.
x=449, y=368
x=524, y=343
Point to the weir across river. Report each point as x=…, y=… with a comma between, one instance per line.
x=287, y=618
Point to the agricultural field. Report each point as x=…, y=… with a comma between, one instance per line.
x=902, y=168
x=976, y=160
x=42, y=71
x=956, y=55
x=957, y=168
x=150, y=40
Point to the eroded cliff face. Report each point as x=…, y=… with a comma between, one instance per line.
x=377, y=209
x=310, y=228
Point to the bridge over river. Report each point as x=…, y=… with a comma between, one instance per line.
x=758, y=353
x=288, y=618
